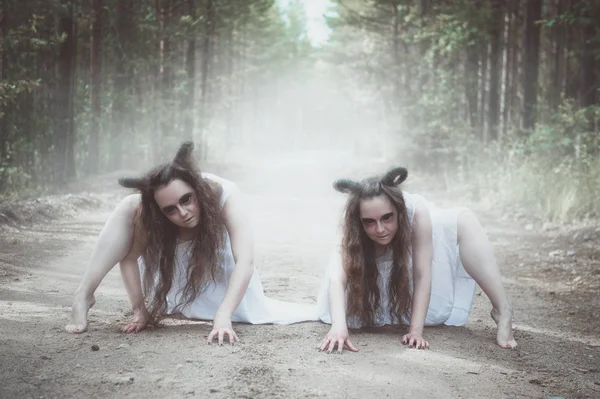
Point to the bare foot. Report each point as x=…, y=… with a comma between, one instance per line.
x=504, y=337
x=141, y=320
x=79, y=312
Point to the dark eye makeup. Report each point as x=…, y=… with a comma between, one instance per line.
x=184, y=200
x=169, y=209
x=386, y=218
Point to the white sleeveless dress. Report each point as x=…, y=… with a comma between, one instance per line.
x=254, y=308
x=452, y=289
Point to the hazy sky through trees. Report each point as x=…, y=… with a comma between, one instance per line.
x=318, y=31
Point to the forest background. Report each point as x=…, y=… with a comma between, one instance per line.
x=502, y=94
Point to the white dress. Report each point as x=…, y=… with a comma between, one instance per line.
x=254, y=308
x=452, y=289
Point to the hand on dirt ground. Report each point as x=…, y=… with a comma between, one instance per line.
x=221, y=327
x=337, y=336
x=415, y=340
x=141, y=320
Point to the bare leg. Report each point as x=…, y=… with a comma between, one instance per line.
x=477, y=256
x=112, y=246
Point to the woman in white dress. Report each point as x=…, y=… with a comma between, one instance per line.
x=402, y=260
x=185, y=247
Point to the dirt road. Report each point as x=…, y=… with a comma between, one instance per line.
x=295, y=214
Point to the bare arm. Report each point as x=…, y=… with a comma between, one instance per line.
x=337, y=293
x=338, y=334
x=422, y=254
x=131, y=273
x=242, y=245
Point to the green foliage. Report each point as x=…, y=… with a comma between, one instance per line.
x=9, y=91
x=144, y=88
x=407, y=67
x=13, y=179
x=455, y=27
x=580, y=12
x=421, y=63
x=555, y=172
x=436, y=116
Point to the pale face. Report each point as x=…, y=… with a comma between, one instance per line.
x=179, y=204
x=379, y=219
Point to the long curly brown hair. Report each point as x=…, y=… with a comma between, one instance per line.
x=358, y=250
x=161, y=234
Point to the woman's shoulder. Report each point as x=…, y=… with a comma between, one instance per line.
x=227, y=186
x=413, y=197
x=213, y=177
x=413, y=202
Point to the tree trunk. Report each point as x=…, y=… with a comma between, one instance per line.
x=558, y=39
x=122, y=85
x=496, y=37
x=396, y=55
x=157, y=83
x=70, y=155
x=531, y=61
x=588, y=89
x=63, y=101
x=95, y=83
x=510, y=60
x=481, y=121
x=206, y=70
x=3, y=78
x=243, y=88
x=516, y=72
x=190, y=64
x=587, y=81
x=206, y=52
x=47, y=103
x=424, y=45
x=571, y=67
x=231, y=134
x=166, y=78
x=3, y=37
x=471, y=80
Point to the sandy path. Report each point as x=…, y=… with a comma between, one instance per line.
x=559, y=350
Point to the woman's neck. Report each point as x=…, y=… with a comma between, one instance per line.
x=185, y=234
x=380, y=249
